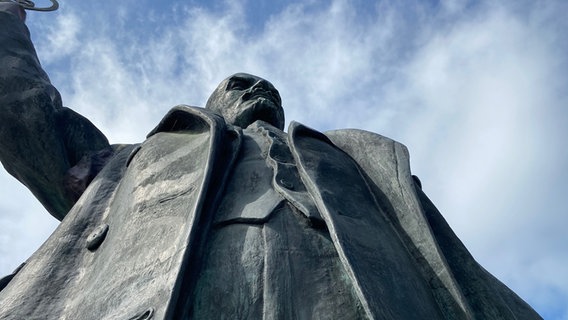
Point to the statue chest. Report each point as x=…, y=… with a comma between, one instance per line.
x=249, y=196
x=263, y=178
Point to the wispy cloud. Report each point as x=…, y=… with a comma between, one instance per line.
x=476, y=90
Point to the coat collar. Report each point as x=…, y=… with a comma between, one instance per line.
x=188, y=118
x=348, y=206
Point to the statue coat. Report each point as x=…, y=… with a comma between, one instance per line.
x=128, y=246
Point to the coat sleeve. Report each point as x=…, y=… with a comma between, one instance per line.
x=40, y=140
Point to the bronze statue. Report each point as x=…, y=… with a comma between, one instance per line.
x=222, y=214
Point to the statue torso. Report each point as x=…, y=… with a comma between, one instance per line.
x=264, y=259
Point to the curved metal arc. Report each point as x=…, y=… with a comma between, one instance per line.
x=30, y=5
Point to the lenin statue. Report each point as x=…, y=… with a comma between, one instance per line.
x=220, y=214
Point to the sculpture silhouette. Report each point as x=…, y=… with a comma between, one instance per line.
x=222, y=214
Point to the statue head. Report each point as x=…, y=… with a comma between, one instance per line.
x=243, y=98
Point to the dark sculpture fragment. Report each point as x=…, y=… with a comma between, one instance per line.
x=222, y=214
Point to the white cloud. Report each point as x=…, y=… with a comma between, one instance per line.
x=477, y=92
x=479, y=105
x=24, y=224
x=61, y=38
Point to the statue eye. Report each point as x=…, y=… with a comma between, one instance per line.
x=237, y=84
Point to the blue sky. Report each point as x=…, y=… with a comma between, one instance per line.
x=477, y=90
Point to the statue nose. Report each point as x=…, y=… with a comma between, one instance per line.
x=263, y=85
x=260, y=84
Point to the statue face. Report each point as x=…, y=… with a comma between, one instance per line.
x=243, y=98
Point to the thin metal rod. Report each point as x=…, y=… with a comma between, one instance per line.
x=30, y=5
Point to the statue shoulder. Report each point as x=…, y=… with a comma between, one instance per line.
x=189, y=118
x=363, y=144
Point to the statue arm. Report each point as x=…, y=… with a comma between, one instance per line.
x=40, y=140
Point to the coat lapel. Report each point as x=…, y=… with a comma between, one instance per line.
x=155, y=217
x=386, y=163
x=383, y=273
x=214, y=161
x=153, y=208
